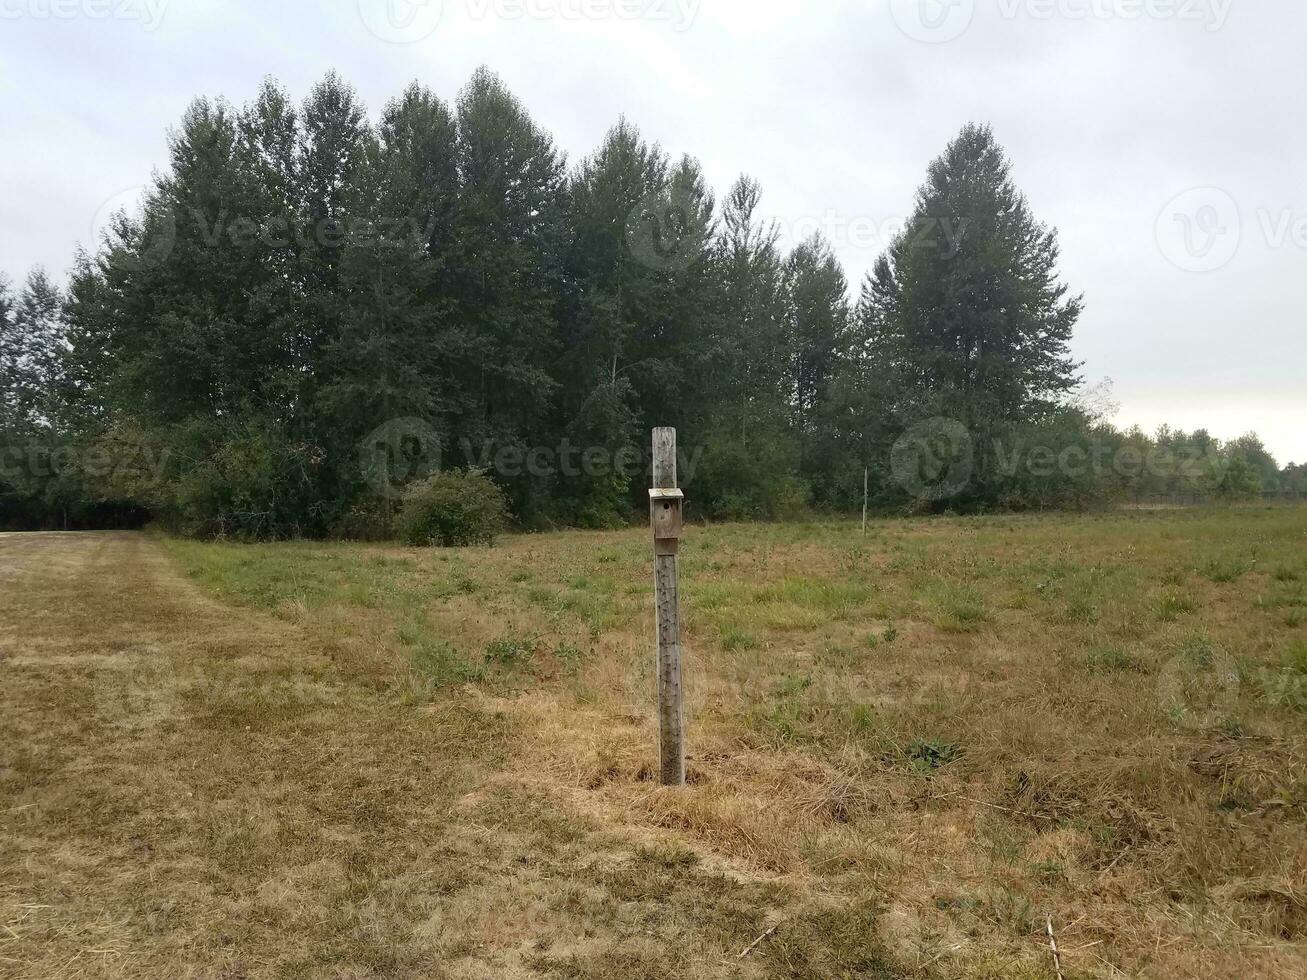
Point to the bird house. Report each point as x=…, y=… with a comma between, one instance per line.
x=667, y=513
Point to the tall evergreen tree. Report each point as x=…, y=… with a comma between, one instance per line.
x=9, y=361
x=967, y=308
x=611, y=299
x=32, y=353
x=396, y=349
x=747, y=354
x=334, y=140
x=296, y=279
x=506, y=268
x=817, y=314
x=740, y=369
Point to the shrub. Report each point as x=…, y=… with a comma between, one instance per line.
x=788, y=499
x=452, y=510
x=367, y=519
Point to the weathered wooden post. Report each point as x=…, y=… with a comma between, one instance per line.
x=866, y=496
x=666, y=509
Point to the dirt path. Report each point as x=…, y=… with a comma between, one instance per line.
x=190, y=790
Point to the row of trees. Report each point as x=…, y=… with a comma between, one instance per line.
x=310, y=310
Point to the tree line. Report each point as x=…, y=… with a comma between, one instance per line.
x=310, y=308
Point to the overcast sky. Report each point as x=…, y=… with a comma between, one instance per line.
x=1165, y=139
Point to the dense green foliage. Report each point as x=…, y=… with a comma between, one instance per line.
x=302, y=289
x=452, y=510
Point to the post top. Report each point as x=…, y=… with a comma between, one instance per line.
x=666, y=494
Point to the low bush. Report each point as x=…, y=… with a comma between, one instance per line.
x=452, y=510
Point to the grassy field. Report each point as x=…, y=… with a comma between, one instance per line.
x=909, y=751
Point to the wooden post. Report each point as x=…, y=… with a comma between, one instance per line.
x=866, y=496
x=666, y=512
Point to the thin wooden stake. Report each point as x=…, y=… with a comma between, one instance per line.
x=1057, y=956
x=666, y=517
x=759, y=941
x=866, y=496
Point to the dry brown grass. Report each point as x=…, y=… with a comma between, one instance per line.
x=907, y=751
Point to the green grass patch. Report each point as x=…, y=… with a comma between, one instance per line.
x=1172, y=605
x=1110, y=660
x=735, y=639
x=1226, y=570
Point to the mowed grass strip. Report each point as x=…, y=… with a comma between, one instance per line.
x=289, y=782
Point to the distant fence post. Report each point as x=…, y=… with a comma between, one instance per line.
x=666, y=513
x=866, y=496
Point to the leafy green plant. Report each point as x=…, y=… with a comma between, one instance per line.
x=928, y=755
x=511, y=651
x=453, y=510
x=441, y=665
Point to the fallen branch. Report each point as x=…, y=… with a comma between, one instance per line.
x=759, y=941
x=992, y=806
x=1057, y=956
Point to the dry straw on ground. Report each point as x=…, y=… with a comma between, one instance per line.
x=910, y=752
